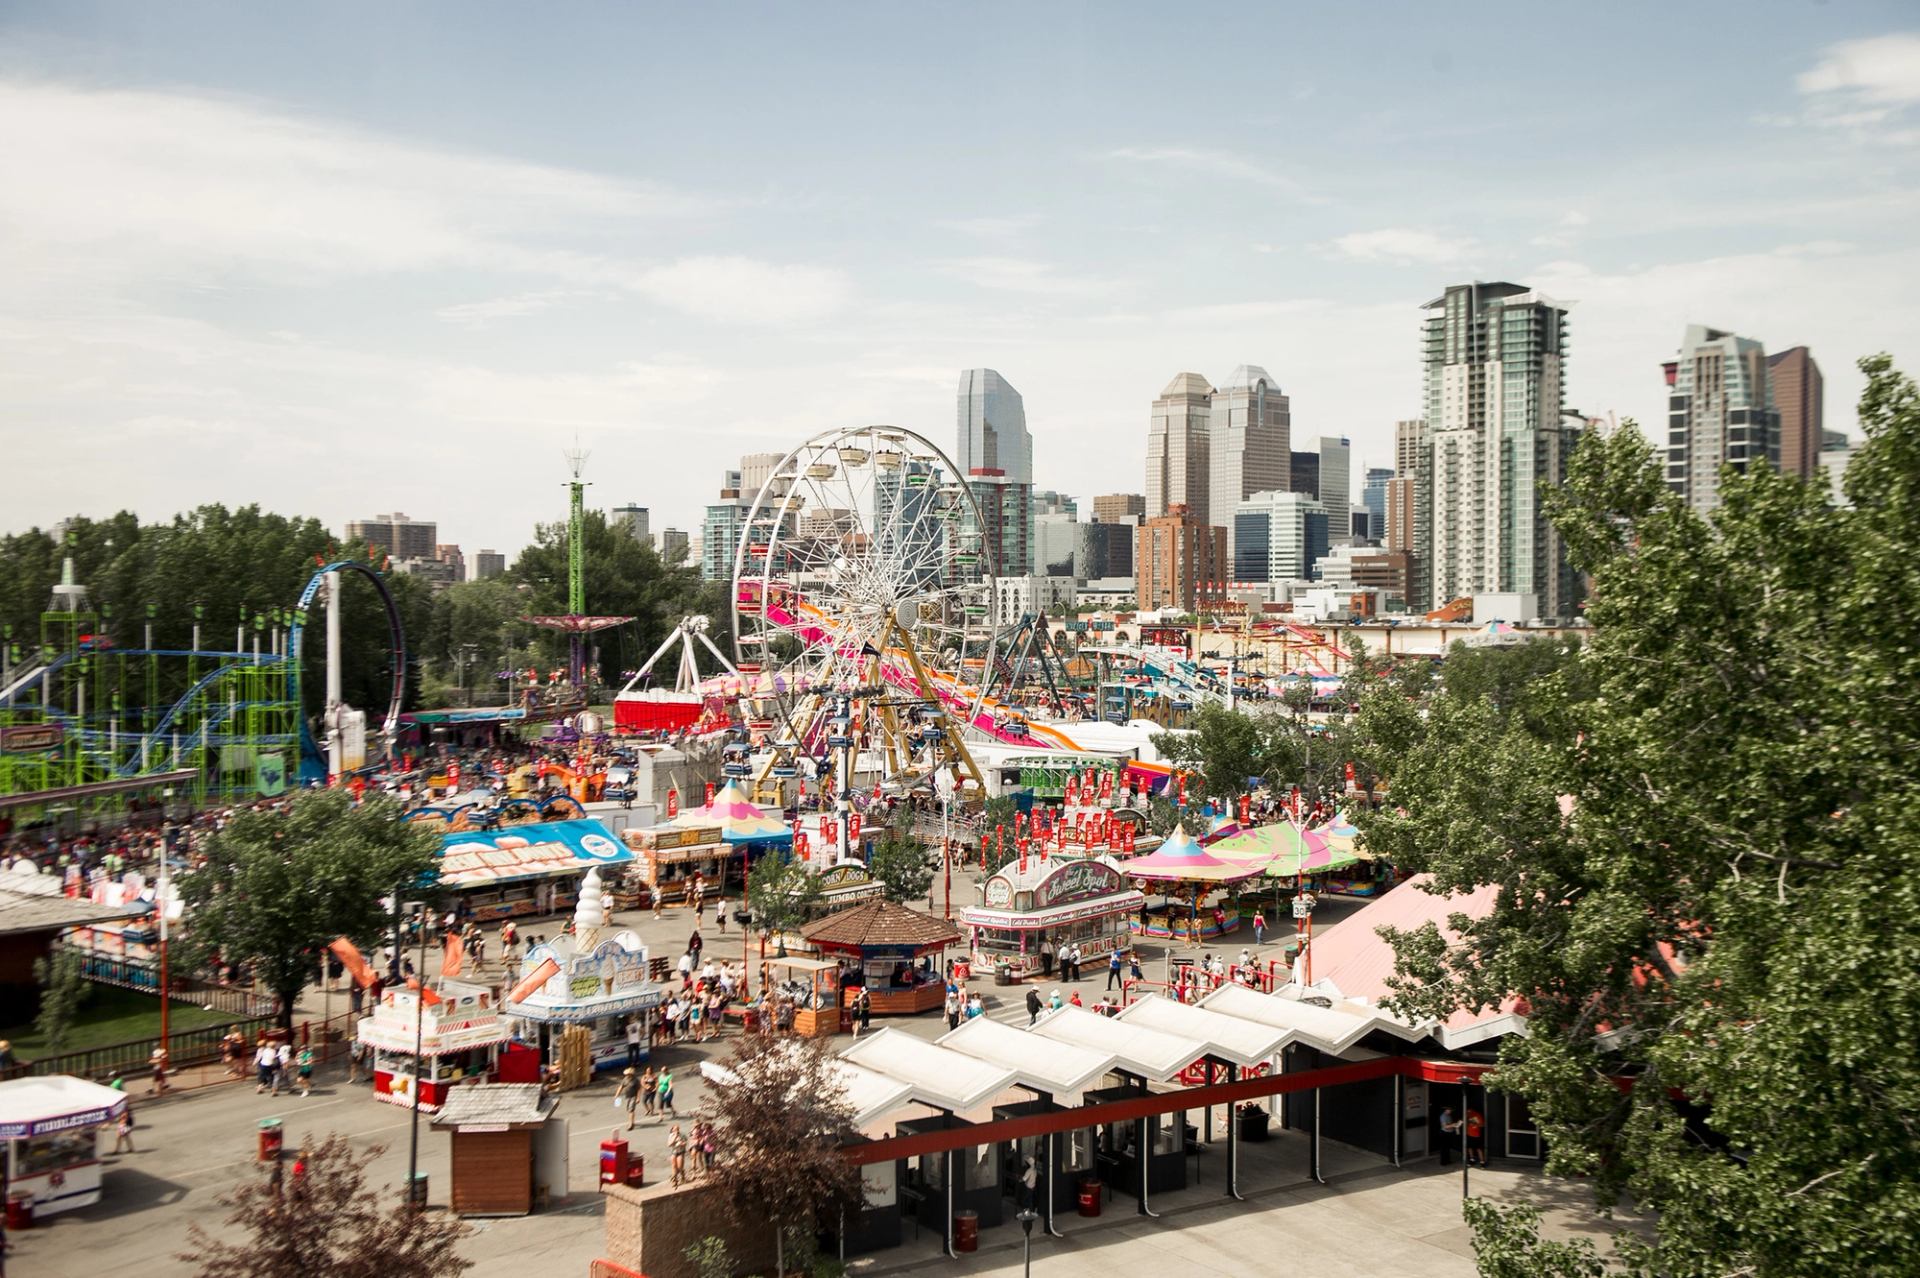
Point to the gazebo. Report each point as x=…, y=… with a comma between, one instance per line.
x=884, y=943
x=1189, y=870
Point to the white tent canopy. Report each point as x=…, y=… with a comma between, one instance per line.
x=1237, y=1039
x=1138, y=1049
x=939, y=1076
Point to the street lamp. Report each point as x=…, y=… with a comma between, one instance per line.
x=1026, y=1218
x=943, y=785
x=417, y=908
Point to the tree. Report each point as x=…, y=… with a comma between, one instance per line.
x=1705, y=832
x=782, y=894
x=901, y=864
x=63, y=988
x=1225, y=746
x=326, y=1221
x=781, y=1117
x=279, y=886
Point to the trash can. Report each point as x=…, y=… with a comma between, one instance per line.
x=636, y=1170
x=20, y=1209
x=1253, y=1123
x=966, y=1231
x=1003, y=975
x=1090, y=1197
x=417, y=1191
x=270, y=1140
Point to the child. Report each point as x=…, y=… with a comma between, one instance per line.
x=123, y=1132
x=677, y=1146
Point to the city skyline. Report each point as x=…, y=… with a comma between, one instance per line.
x=460, y=263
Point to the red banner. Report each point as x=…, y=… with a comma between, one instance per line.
x=673, y=803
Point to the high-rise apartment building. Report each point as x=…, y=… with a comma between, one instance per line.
x=455, y=559
x=1719, y=412
x=1373, y=496
x=1178, y=473
x=720, y=530
x=673, y=542
x=1494, y=412
x=488, y=564
x=1408, y=523
x=1179, y=562
x=632, y=520
x=1398, y=527
x=1249, y=426
x=1281, y=537
x=399, y=536
x=755, y=470
x=1407, y=437
x=1105, y=549
x=1006, y=509
x=1114, y=508
x=1333, y=484
x=1799, y=397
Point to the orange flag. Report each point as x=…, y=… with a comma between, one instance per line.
x=456, y=956
x=427, y=997
x=350, y=958
x=533, y=980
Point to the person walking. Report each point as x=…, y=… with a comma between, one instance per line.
x=666, y=1094
x=953, y=1009
x=694, y=943
x=1259, y=926
x=283, y=1068
x=264, y=1060
x=303, y=1064
x=123, y=1132
x=1476, y=1125
x=1033, y=1005
x=626, y=1094
x=356, y=1060
x=158, y=1060
x=649, y=1092
x=720, y=915
x=677, y=1149
x=1113, y=968
x=633, y=1042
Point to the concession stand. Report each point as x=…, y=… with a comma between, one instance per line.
x=813, y=987
x=585, y=978
x=1032, y=905
x=458, y=1030
x=526, y=869
x=495, y=1128
x=882, y=945
x=667, y=857
x=51, y=1125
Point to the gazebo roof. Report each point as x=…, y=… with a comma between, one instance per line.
x=881, y=923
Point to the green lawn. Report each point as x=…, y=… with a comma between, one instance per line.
x=112, y=1015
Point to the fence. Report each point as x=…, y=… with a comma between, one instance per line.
x=139, y=974
x=189, y=1047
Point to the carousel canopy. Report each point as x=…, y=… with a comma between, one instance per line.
x=740, y=820
x=881, y=925
x=1180, y=859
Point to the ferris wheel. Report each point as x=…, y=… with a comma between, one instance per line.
x=863, y=594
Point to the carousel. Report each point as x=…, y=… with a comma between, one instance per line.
x=1035, y=906
x=438, y=1039
x=589, y=979
x=1188, y=874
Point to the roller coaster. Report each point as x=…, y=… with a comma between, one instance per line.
x=82, y=711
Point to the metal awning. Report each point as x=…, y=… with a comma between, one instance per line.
x=1137, y=1049
x=1240, y=1040
x=1331, y=1029
x=938, y=1076
x=1054, y=1066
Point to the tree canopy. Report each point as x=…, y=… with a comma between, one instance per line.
x=901, y=864
x=1704, y=829
x=278, y=886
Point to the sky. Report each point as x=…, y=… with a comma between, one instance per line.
x=349, y=259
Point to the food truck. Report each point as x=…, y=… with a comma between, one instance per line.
x=51, y=1125
x=587, y=980
x=458, y=1031
x=526, y=869
x=1035, y=904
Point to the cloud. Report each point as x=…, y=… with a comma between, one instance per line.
x=478, y=314
x=741, y=290
x=990, y=228
x=1884, y=69
x=1221, y=164
x=1565, y=231
x=1403, y=245
x=1022, y=275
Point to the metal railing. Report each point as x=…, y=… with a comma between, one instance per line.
x=141, y=975
x=186, y=1048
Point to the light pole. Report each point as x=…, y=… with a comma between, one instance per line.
x=1026, y=1218
x=417, y=908
x=163, y=902
x=943, y=785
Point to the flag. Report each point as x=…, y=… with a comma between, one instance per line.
x=427, y=997
x=350, y=958
x=455, y=957
x=533, y=980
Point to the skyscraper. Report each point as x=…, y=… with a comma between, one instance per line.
x=1326, y=467
x=673, y=542
x=1719, y=412
x=1179, y=562
x=1799, y=396
x=1006, y=509
x=1494, y=400
x=992, y=422
x=1373, y=495
x=1282, y=535
x=1408, y=435
x=635, y=520
x=1177, y=448
x=1113, y=508
x=399, y=536
x=1249, y=424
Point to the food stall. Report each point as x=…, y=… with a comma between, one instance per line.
x=1039, y=903
x=528, y=869
x=52, y=1125
x=458, y=1031
x=496, y=1129
x=813, y=986
x=892, y=950
x=666, y=858
x=586, y=979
